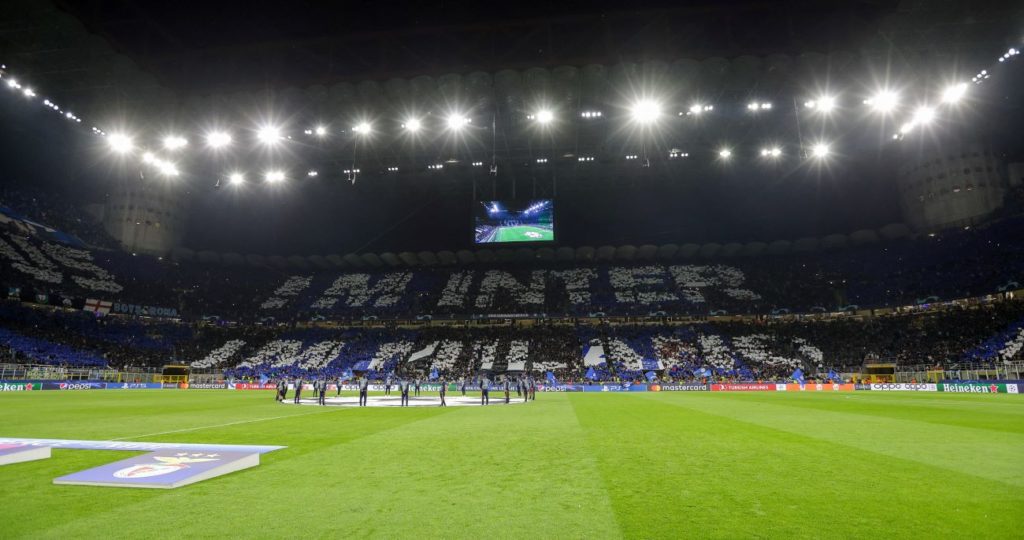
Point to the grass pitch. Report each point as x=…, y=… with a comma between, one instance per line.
x=638, y=465
x=524, y=233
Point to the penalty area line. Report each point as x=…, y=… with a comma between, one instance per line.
x=227, y=424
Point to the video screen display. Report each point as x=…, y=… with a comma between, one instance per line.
x=500, y=222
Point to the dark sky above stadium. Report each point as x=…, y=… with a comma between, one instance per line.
x=270, y=46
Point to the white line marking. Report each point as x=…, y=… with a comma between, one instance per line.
x=223, y=425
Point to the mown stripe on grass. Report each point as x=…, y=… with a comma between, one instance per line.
x=983, y=453
x=949, y=413
x=676, y=471
x=423, y=473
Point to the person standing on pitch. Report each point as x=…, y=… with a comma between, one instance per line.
x=364, y=386
x=485, y=391
x=339, y=387
x=323, y=391
x=403, y=386
x=533, y=389
x=282, y=389
x=443, y=391
x=416, y=388
x=462, y=385
x=506, y=385
x=519, y=386
x=387, y=385
x=298, y=389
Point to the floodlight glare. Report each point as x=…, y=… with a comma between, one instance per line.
x=725, y=153
x=823, y=104
x=883, y=101
x=646, y=111
x=953, y=93
x=320, y=131
x=544, y=116
x=175, y=142
x=923, y=116
x=412, y=125
x=362, y=128
x=120, y=143
x=218, y=139
x=820, y=150
x=236, y=178
x=269, y=134
x=457, y=121
x=696, y=108
x=167, y=169
x=774, y=151
x=274, y=176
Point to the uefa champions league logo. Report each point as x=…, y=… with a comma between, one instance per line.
x=166, y=465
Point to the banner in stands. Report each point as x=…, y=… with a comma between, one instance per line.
x=904, y=387
x=19, y=386
x=678, y=388
x=99, y=307
x=815, y=387
x=14, y=219
x=145, y=311
x=981, y=387
x=743, y=387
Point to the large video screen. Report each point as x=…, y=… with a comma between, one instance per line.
x=499, y=222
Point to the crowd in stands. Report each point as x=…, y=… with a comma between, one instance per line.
x=741, y=349
x=264, y=322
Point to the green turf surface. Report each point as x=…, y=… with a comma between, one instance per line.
x=524, y=233
x=657, y=465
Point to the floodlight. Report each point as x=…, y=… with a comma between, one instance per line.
x=923, y=116
x=820, y=150
x=320, y=131
x=120, y=143
x=645, y=111
x=274, y=176
x=696, y=108
x=175, y=142
x=167, y=168
x=29, y=92
x=725, y=153
x=148, y=157
x=362, y=128
x=953, y=93
x=236, y=178
x=883, y=101
x=312, y=173
x=218, y=139
x=457, y=121
x=412, y=125
x=823, y=104
x=269, y=134
x=544, y=116
x=773, y=151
